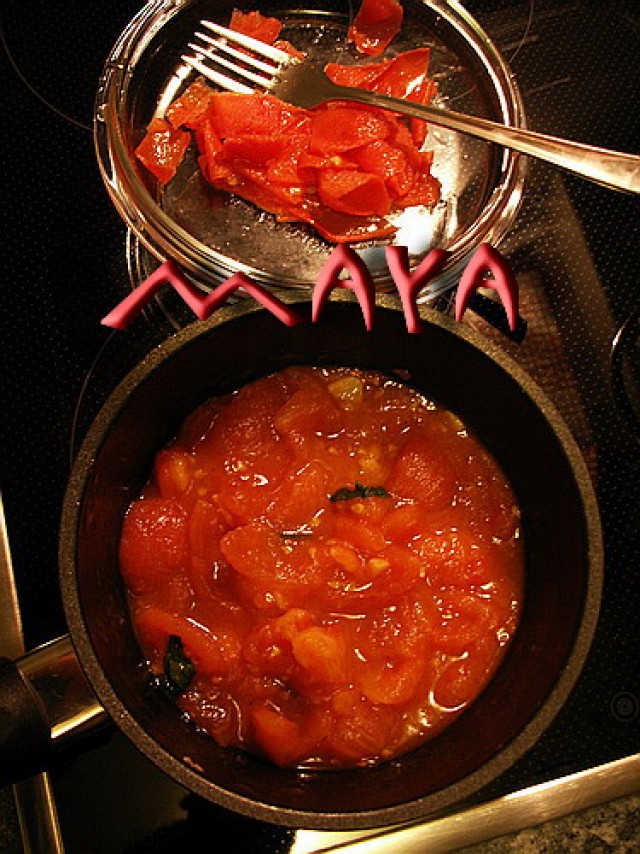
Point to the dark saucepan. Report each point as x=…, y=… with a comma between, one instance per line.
x=505, y=409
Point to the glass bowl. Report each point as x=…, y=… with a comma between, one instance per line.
x=212, y=234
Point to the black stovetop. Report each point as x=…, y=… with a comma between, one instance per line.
x=575, y=248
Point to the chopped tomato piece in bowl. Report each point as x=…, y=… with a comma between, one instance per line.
x=375, y=25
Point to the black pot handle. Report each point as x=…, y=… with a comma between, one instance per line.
x=25, y=734
x=45, y=704
x=626, y=338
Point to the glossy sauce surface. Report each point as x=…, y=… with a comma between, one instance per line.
x=337, y=559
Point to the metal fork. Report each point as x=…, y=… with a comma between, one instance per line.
x=304, y=84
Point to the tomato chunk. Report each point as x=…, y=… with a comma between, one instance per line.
x=400, y=77
x=322, y=653
x=174, y=472
x=339, y=129
x=353, y=192
x=423, y=474
x=163, y=149
x=191, y=106
x=153, y=545
x=235, y=115
x=255, y=25
x=377, y=23
x=281, y=739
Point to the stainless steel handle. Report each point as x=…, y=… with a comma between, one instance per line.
x=614, y=169
x=69, y=703
x=44, y=702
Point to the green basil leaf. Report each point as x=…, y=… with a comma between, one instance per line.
x=359, y=491
x=178, y=668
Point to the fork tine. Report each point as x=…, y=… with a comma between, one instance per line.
x=220, y=79
x=244, y=57
x=246, y=41
x=225, y=63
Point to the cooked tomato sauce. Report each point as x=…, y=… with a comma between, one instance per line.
x=325, y=567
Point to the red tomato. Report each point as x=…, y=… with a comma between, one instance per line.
x=425, y=189
x=243, y=454
x=191, y=106
x=255, y=25
x=404, y=75
x=235, y=115
x=400, y=77
x=283, y=740
x=361, y=732
x=466, y=619
x=254, y=187
x=300, y=497
x=153, y=544
x=268, y=649
x=389, y=574
x=423, y=474
x=389, y=163
x=337, y=129
x=363, y=535
x=491, y=507
x=174, y=470
x=210, y=161
x=391, y=683
x=465, y=677
x=457, y=557
x=163, y=149
x=353, y=192
x=403, y=524
x=310, y=410
x=256, y=149
x=207, y=525
x=375, y=25
x=405, y=629
x=283, y=568
x=322, y=654
x=285, y=168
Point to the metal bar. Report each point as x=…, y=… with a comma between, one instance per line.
x=35, y=805
x=508, y=814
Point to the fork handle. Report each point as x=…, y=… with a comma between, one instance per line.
x=613, y=169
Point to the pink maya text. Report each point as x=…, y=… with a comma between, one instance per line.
x=343, y=259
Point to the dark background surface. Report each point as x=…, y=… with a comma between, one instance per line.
x=575, y=249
